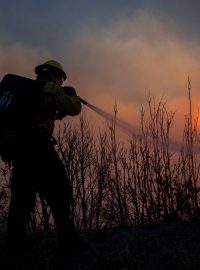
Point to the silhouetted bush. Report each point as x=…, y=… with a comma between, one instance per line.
x=149, y=180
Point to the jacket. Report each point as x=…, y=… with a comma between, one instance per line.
x=55, y=104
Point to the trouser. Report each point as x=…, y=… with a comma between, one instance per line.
x=38, y=168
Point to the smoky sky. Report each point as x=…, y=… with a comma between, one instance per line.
x=47, y=23
x=117, y=49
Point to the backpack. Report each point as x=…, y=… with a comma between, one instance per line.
x=19, y=103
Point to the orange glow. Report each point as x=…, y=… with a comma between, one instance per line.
x=124, y=62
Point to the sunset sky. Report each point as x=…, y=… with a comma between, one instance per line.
x=111, y=49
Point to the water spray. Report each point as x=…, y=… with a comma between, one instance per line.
x=126, y=127
x=108, y=116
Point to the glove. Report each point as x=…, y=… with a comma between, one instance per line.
x=69, y=91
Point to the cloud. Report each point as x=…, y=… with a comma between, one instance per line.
x=132, y=57
x=20, y=58
x=125, y=59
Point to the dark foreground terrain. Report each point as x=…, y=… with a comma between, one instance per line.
x=149, y=247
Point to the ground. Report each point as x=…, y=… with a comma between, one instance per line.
x=149, y=247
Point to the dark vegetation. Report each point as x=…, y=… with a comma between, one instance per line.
x=144, y=247
x=138, y=204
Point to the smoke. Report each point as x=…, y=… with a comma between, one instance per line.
x=19, y=58
x=131, y=58
x=124, y=59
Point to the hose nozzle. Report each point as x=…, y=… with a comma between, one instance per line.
x=83, y=101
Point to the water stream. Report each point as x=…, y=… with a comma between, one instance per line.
x=123, y=125
x=128, y=128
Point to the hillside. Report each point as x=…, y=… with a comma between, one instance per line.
x=148, y=247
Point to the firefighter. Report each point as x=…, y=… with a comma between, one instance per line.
x=37, y=167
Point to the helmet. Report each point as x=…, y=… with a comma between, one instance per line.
x=49, y=65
